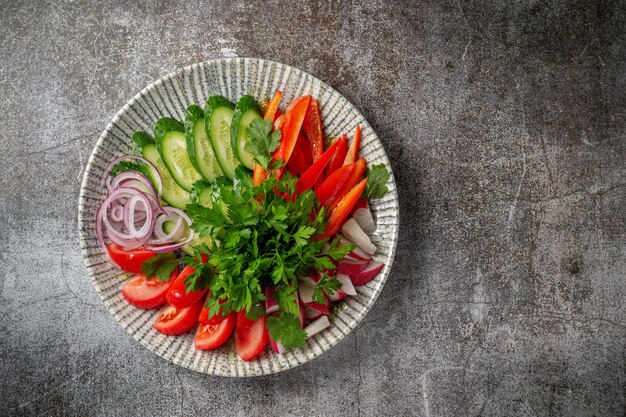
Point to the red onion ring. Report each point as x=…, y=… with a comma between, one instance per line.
x=109, y=167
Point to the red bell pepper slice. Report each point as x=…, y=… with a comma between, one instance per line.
x=342, y=211
x=311, y=175
x=271, y=113
x=290, y=131
x=300, y=159
x=272, y=107
x=354, y=179
x=312, y=127
x=355, y=145
x=339, y=157
x=329, y=190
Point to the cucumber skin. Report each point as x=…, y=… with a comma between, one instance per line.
x=244, y=104
x=141, y=138
x=213, y=103
x=192, y=115
x=164, y=125
x=170, y=202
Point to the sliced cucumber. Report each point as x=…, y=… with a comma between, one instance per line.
x=169, y=225
x=170, y=140
x=246, y=111
x=199, y=146
x=218, y=115
x=172, y=193
x=204, y=196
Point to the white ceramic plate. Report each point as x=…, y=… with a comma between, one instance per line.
x=169, y=96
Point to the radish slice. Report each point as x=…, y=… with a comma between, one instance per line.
x=346, y=284
x=353, y=232
x=364, y=218
x=317, y=326
x=271, y=306
x=312, y=278
x=277, y=346
x=306, y=292
x=351, y=267
x=310, y=313
x=357, y=253
x=367, y=274
x=322, y=308
x=337, y=295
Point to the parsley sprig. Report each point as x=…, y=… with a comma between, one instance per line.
x=266, y=238
x=264, y=141
x=377, y=178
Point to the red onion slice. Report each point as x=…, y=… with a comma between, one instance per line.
x=133, y=179
x=109, y=167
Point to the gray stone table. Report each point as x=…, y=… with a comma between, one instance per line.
x=505, y=123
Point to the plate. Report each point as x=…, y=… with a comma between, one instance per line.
x=169, y=96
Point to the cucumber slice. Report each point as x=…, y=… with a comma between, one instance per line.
x=170, y=140
x=172, y=193
x=218, y=115
x=203, y=196
x=169, y=225
x=246, y=111
x=199, y=146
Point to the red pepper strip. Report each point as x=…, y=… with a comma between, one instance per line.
x=311, y=175
x=329, y=191
x=272, y=107
x=290, y=131
x=301, y=157
x=312, y=126
x=271, y=113
x=356, y=176
x=339, y=157
x=341, y=213
x=355, y=145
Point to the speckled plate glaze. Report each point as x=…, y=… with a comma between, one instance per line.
x=169, y=96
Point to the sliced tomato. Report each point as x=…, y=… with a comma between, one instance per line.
x=212, y=336
x=174, y=321
x=250, y=336
x=147, y=293
x=204, y=315
x=129, y=261
x=177, y=296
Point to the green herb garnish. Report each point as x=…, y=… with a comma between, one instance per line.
x=377, y=178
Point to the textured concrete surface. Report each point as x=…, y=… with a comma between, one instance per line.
x=505, y=123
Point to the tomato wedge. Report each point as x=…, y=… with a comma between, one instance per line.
x=204, y=315
x=147, y=293
x=250, y=336
x=129, y=261
x=177, y=296
x=175, y=321
x=212, y=336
